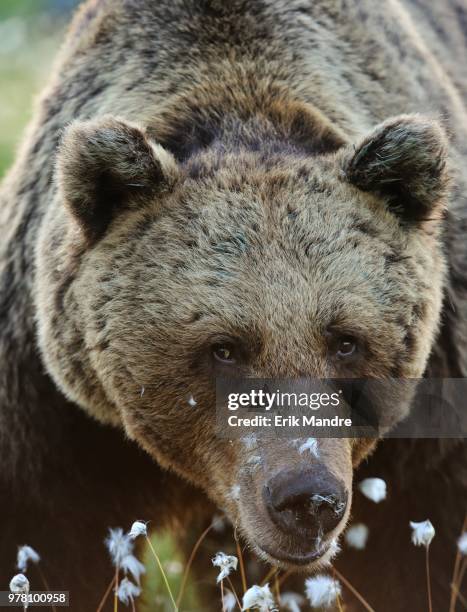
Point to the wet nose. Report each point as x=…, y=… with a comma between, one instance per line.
x=305, y=502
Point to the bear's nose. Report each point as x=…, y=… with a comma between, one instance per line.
x=310, y=503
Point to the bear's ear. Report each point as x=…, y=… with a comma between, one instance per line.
x=107, y=165
x=404, y=159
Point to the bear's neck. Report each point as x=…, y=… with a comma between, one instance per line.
x=243, y=114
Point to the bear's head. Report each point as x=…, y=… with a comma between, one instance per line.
x=157, y=276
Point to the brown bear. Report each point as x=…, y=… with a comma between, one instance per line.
x=262, y=185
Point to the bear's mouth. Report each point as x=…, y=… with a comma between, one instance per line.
x=296, y=558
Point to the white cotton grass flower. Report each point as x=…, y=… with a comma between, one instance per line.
x=373, y=488
x=130, y=565
x=19, y=584
x=26, y=554
x=422, y=533
x=226, y=564
x=292, y=602
x=322, y=591
x=462, y=543
x=356, y=536
x=259, y=598
x=119, y=545
x=127, y=591
x=139, y=528
x=228, y=601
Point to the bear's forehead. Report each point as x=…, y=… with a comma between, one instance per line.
x=312, y=217
x=321, y=248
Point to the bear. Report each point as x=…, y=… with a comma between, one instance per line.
x=266, y=186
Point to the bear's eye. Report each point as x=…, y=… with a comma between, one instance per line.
x=224, y=353
x=346, y=346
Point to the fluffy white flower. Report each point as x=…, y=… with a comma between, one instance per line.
x=226, y=564
x=374, y=489
x=119, y=545
x=322, y=591
x=356, y=536
x=138, y=529
x=292, y=602
x=127, y=591
x=422, y=533
x=26, y=554
x=19, y=584
x=260, y=598
x=462, y=543
x=229, y=602
x=130, y=565
x=191, y=401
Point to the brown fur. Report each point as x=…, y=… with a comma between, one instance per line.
x=233, y=171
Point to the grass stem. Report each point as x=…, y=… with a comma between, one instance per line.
x=284, y=577
x=242, y=565
x=277, y=588
x=232, y=588
x=354, y=591
x=268, y=576
x=222, y=596
x=116, y=590
x=189, y=564
x=339, y=602
x=455, y=573
x=105, y=596
x=156, y=556
x=462, y=599
x=428, y=579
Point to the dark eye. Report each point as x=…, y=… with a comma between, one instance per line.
x=224, y=353
x=346, y=347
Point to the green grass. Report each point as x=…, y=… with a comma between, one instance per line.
x=28, y=43
x=155, y=591
x=20, y=7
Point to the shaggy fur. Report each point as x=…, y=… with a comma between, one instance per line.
x=101, y=170
x=242, y=172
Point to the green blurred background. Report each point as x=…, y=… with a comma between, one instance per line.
x=31, y=32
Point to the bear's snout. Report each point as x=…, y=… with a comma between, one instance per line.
x=294, y=502
x=307, y=503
